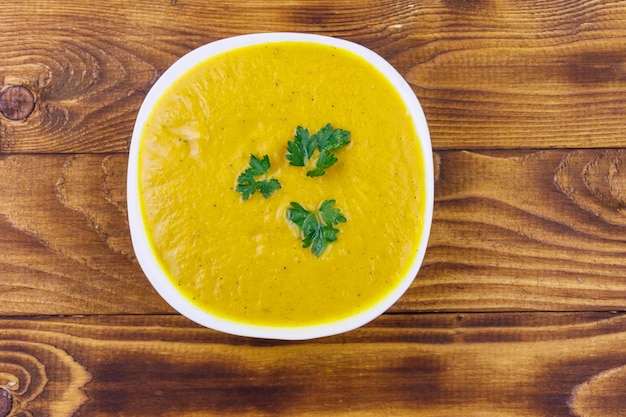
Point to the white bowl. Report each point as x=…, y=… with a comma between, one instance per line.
x=140, y=240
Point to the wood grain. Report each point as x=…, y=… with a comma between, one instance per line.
x=516, y=230
x=494, y=74
x=528, y=364
x=64, y=239
x=526, y=230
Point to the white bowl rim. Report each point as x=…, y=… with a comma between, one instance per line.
x=141, y=243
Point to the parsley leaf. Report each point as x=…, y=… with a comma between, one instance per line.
x=247, y=184
x=301, y=149
x=329, y=214
x=317, y=227
x=331, y=139
x=259, y=166
x=324, y=161
x=326, y=141
x=268, y=187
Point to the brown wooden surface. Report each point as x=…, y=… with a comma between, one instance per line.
x=517, y=311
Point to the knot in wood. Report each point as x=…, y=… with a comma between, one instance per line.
x=6, y=402
x=16, y=102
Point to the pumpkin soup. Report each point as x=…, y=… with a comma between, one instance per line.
x=243, y=259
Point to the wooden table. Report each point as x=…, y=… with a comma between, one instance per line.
x=517, y=311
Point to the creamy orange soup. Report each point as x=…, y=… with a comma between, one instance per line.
x=242, y=259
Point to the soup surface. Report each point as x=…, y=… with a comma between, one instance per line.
x=243, y=259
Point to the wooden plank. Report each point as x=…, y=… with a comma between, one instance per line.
x=489, y=75
x=512, y=231
x=412, y=365
x=539, y=230
x=64, y=240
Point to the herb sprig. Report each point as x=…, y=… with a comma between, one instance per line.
x=327, y=140
x=247, y=184
x=316, y=226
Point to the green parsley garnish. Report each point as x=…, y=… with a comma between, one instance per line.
x=247, y=184
x=316, y=226
x=326, y=141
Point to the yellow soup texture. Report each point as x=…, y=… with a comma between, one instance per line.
x=243, y=260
